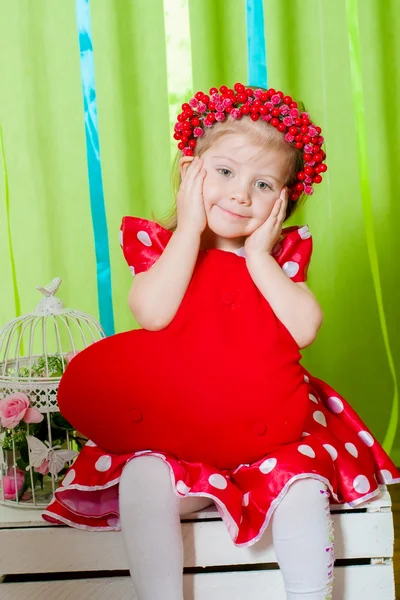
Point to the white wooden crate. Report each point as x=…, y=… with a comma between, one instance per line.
x=41, y=561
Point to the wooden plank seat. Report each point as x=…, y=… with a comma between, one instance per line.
x=46, y=562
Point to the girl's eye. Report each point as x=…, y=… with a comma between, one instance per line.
x=224, y=172
x=263, y=185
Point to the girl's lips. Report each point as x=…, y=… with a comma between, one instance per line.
x=231, y=213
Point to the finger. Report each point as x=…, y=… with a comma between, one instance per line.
x=197, y=187
x=194, y=169
x=197, y=177
x=276, y=208
x=186, y=166
x=285, y=195
x=191, y=172
x=282, y=211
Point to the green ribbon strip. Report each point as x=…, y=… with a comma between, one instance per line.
x=17, y=302
x=361, y=130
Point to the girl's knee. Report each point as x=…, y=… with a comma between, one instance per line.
x=145, y=468
x=304, y=491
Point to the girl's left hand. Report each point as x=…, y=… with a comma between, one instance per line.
x=264, y=238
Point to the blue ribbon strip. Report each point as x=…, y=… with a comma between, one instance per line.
x=256, y=48
x=103, y=269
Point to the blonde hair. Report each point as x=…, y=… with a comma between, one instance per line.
x=258, y=133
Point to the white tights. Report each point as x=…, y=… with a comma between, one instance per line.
x=150, y=520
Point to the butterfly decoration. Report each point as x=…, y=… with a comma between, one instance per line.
x=41, y=453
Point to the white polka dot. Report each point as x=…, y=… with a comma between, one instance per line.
x=291, y=268
x=351, y=449
x=319, y=417
x=267, y=466
x=246, y=499
x=114, y=522
x=384, y=476
x=218, y=481
x=313, y=398
x=132, y=270
x=182, y=488
x=304, y=232
x=144, y=237
x=103, y=463
x=91, y=444
x=304, y=434
x=306, y=379
x=366, y=438
x=331, y=451
x=361, y=484
x=121, y=237
x=306, y=450
x=335, y=405
x=68, y=479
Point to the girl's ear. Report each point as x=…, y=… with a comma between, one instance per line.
x=184, y=163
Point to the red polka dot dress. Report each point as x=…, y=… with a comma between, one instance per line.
x=220, y=396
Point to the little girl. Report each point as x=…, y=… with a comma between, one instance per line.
x=209, y=403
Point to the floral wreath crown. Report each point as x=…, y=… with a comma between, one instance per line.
x=280, y=111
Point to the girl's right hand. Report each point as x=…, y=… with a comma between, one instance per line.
x=190, y=202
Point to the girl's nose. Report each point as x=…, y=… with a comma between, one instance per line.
x=241, y=196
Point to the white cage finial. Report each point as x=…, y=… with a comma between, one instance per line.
x=34, y=352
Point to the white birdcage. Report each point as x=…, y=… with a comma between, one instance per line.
x=36, y=449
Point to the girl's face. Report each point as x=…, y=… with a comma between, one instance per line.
x=241, y=186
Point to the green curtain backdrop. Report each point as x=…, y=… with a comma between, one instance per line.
x=149, y=55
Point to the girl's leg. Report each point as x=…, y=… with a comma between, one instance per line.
x=302, y=533
x=150, y=510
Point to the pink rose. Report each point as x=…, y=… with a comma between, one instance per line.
x=193, y=103
x=16, y=407
x=220, y=116
x=266, y=117
x=10, y=493
x=308, y=148
x=312, y=132
x=294, y=112
x=215, y=97
x=197, y=131
x=43, y=469
x=276, y=99
x=288, y=121
x=258, y=92
x=308, y=190
x=269, y=105
x=201, y=107
x=284, y=110
x=289, y=138
x=236, y=113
